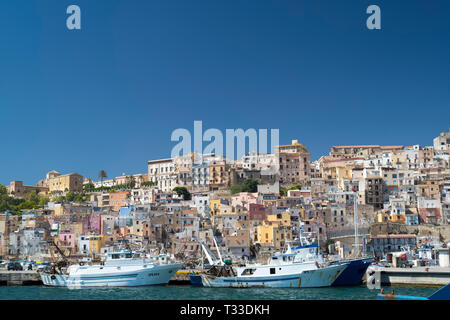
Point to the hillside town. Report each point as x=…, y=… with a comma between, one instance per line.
x=253, y=206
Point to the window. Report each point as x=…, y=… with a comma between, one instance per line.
x=272, y=270
x=249, y=271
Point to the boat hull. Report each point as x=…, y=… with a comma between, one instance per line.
x=314, y=278
x=155, y=275
x=353, y=274
x=196, y=280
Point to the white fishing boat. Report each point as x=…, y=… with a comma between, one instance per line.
x=120, y=269
x=297, y=268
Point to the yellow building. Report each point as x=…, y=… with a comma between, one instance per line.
x=77, y=228
x=64, y=183
x=280, y=219
x=295, y=147
x=96, y=243
x=219, y=177
x=264, y=234
x=17, y=189
x=383, y=217
x=58, y=209
x=270, y=234
x=214, y=206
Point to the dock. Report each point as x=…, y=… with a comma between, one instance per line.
x=20, y=278
x=418, y=276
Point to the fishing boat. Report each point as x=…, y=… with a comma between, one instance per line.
x=356, y=267
x=195, y=279
x=353, y=274
x=297, y=268
x=120, y=269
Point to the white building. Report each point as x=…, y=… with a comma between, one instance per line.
x=163, y=172
x=201, y=203
x=442, y=142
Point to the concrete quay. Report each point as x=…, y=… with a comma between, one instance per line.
x=418, y=276
x=20, y=278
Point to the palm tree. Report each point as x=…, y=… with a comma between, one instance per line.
x=102, y=174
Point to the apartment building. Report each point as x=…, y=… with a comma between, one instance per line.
x=442, y=142
x=118, y=200
x=163, y=172
x=294, y=163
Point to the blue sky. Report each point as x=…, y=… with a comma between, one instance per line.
x=109, y=96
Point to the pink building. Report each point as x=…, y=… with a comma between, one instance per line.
x=93, y=223
x=244, y=199
x=429, y=215
x=66, y=238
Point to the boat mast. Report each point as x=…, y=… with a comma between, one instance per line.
x=217, y=247
x=355, y=218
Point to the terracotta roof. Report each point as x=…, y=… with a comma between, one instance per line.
x=366, y=146
x=381, y=236
x=370, y=146
x=344, y=159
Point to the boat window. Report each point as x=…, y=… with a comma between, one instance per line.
x=284, y=258
x=272, y=270
x=248, y=271
x=115, y=256
x=128, y=255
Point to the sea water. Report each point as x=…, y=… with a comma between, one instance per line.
x=177, y=292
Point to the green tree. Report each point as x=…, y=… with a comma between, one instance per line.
x=183, y=191
x=236, y=189
x=70, y=196
x=131, y=182
x=148, y=184
x=102, y=174
x=43, y=201
x=3, y=198
x=59, y=199
x=248, y=185
x=296, y=187
x=79, y=197
x=89, y=187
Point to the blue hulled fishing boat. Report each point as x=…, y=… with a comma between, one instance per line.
x=353, y=274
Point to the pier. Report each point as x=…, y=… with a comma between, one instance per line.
x=20, y=278
x=419, y=276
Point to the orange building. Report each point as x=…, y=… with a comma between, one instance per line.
x=118, y=199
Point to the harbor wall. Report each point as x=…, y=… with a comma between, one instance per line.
x=19, y=278
x=419, y=276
